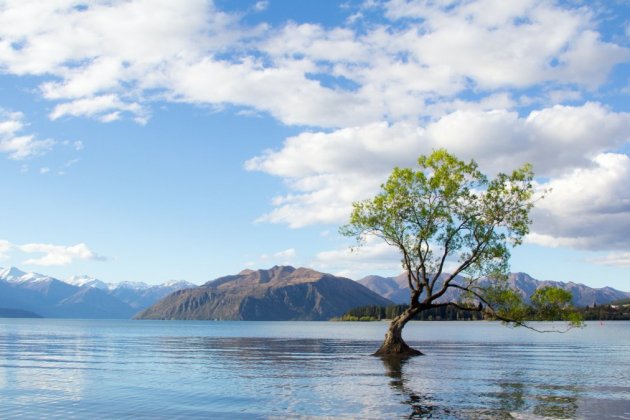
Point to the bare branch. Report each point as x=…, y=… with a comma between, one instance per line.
x=477, y=252
x=446, y=251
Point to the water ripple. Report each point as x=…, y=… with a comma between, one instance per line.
x=128, y=369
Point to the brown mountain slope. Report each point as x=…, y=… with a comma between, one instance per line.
x=280, y=293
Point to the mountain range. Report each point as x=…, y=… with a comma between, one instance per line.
x=397, y=290
x=33, y=294
x=280, y=293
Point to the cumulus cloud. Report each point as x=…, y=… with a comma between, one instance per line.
x=85, y=48
x=587, y=208
x=616, y=259
x=374, y=256
x=428, y=52
x=327, y=171
x=59, y=254
x=471, y=76
x=280, y=90
x=53, y=254
x=15, y=144
x=552, y=139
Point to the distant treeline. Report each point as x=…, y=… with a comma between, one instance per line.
x=376, y=313
x=450, y=313
x=607, y=312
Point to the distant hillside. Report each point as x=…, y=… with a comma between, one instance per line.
x=582, y=294
x=280, y=293
x=77, y=297
x=393, y=288
x=140, y=296
x=397, y=290
x=621, y=302
x=17, y=313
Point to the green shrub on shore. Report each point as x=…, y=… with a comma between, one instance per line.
x=447, y=313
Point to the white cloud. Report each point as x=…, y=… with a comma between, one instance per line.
x=326, y=172
x=192, y=52
x=59, y=254
x=106, y=107
x=44, y=170
x=616, y=259
x=279, y=90
x=86, y=55
x=261, y=5
x=498, y=43
x=587, y=208
x=287, y=253
x=71, y=162
x=19, y=146
x=5, y=246
x=374, y=256
x=343, y=166
x=445, y=73
x=285, y=257
x=370, y=148
x=53, y=254
x=552, y=139
x=559, y=96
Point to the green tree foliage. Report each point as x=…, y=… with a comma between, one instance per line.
x=443, y=313
x=551, y=302
x=448, y=212
x=449, y=313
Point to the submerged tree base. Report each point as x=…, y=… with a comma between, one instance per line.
x=399, y=350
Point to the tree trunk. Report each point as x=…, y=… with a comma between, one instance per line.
x=394, y=345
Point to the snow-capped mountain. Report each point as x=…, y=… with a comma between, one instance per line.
x=15, y=275
x=85, y=280
x=11, y=274
x=396, y=289
x=141, y=295
x=178, y=284
x=133, y=285
x=78, y=296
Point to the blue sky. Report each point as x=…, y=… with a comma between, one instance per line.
x=154, y=140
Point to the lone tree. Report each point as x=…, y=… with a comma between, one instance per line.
x=448, y=214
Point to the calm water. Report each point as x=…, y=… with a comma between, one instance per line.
x=167, y=369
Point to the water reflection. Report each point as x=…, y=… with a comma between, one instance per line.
x=557, y=406
x=542, y=400
x=512, y=396
x=184, y=370
x=420, y=404
x=516, y=399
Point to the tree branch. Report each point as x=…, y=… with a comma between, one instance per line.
x=505, y=319
x=446, y=252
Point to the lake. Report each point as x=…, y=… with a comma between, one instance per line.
x=188, y=369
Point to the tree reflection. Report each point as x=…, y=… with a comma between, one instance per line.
x=421, y=405
x=557, y=406
x=543, y=401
